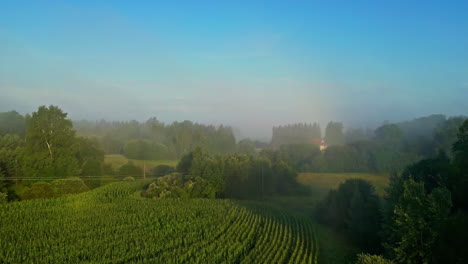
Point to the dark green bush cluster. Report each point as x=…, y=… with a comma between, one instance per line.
x=177, y=185
x=53, y=189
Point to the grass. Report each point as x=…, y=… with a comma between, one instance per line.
x=321, y=183
x=117, y=161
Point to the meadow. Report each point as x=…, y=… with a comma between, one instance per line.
x=114, y=224
x=321, y=183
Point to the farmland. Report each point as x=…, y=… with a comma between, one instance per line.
x=321, y=183
x=113, y=224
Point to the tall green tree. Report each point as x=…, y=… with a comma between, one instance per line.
x=418, y=220
x=50, y=148
x=334, y=134
x=12, y=123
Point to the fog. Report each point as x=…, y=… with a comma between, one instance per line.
x=246, y=67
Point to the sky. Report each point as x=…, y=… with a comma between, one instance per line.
x=248, y=64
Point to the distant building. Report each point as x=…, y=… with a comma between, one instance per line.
x=320, y=142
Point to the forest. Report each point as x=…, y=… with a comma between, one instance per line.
x=421, y=218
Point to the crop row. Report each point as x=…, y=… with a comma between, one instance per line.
x=113, y=224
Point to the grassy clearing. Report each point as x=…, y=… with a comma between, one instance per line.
x=321, y=183
x=117, y=161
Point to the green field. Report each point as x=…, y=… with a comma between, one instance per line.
x=113, y=224
x=323, y=182
x=117, y=161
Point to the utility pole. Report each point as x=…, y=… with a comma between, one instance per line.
x=144, y=170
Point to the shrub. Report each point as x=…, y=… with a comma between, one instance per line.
x=162, y=170
x=129, y=178
x=91, y=167
x=37, y=190
x=130, y=169
x=177, y=185
x=3, y=197
x=68, y=186
x=371, y=259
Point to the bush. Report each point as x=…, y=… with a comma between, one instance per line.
x=130, y=169
x=37, y=190
x=91, y=167
x=129, y=178
x=177, y=185
x=3, y=197
x=107, y=169
x=355, y=209
x=162, y=170
x=68, y=186
x=371, y=259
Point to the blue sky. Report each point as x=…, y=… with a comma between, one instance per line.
x=250, y=64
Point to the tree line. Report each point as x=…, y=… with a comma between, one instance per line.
x=423, y=217
x=389, y=148
x=154, y=139
x=240, y=176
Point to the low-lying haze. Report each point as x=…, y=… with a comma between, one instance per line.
x=251, y=66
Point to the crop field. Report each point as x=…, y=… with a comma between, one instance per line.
x=117, y=161
x=113, y=224
x=323, y=182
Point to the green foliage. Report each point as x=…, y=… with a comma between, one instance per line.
x=143, y=149
x=334, y=134
x=50, y=149
x=56, y=188
x=240, y=176
x=112, y=224
x=38, y=190
x=12, y=123
x=451, y=244
x=172, y=141
x=295, y=134
x=371, y=259
x=390, y=134
x=425, y=210
x=88, y=149
x=300, y=156
x=355, y=209
x=418, y=220
x=162, y=170
x=177, y=185
x=246, y=146
x=130, y=169
x=92, y=167
x=129, y=179
x=445, y=134
x=353, y=135
x=3, y=197
x=10, y=156
x=460, y=147
x=68, y=186
x=284, y=178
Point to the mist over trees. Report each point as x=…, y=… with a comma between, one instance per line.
x=295, y=133
x=389, y=148
x=421, y=219
x=173, y=140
